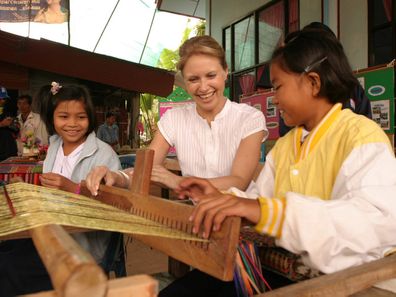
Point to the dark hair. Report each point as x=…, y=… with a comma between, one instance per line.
x=319, y=26
x=318, y=51
x=28, y=98
x=201, y=45
x=314, y=26
x=66, y=93
x=110, y=114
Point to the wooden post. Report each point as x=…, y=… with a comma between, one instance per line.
x=73, y=271
x=142, y=173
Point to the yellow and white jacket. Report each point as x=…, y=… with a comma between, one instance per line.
x=331, y=199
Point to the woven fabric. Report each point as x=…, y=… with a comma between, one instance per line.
x=28, y=172
x=38, y=206
x=278, y=259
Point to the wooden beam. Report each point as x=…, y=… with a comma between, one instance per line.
x=72, y=270
x=74, y=62
x=132, y=286
x=342, y=283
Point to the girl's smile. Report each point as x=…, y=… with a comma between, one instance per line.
x=71, y=123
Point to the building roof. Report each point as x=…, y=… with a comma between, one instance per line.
x=62, y=59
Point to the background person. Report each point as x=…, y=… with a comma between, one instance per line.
x=29, y=121
x=8, y=129
x=109, y=131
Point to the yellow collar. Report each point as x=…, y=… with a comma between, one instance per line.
x=302, y=150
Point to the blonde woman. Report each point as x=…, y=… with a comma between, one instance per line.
x=214, y=137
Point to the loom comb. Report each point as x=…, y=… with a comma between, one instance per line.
x=215, y=257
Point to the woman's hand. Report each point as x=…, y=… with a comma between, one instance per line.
x=57, y=181
x=194, y=188
x=163, y=176
x=99, y=173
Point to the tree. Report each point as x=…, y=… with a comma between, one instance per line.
x=168, y=60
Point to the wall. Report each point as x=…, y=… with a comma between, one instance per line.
x=224, y=12
x=352, y=27
x=353, y=32
x=310, y=11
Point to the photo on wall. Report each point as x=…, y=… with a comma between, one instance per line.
x=40, y=11
x=381, y=113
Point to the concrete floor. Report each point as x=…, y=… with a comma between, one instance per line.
x=141, y=259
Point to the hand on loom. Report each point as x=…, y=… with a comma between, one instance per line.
x=160, y=174
x=111, y=178
x=213, y=206
x=194, y=187
x=57, y=181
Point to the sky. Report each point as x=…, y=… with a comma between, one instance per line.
x=125, y=35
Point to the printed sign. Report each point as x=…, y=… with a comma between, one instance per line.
x=381, y=113
x=42, y=11
x=263, y=102
x=379, y=87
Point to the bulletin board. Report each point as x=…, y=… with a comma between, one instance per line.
x=379, y=85
x=263, y=102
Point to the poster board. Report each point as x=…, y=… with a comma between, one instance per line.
x=12, y=11
x=379, y=85
x=263, y=102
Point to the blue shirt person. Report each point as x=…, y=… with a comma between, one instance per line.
x=108, y=131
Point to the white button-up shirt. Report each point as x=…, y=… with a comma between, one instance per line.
x=205, y=150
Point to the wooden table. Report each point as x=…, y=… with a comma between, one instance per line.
x=28, y=170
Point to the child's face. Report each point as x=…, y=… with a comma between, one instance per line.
x=294, y=97
x=71, y=122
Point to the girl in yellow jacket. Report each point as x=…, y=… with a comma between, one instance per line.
x=328, y=188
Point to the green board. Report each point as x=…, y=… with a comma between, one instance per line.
x=379, y=85
x=178, y=94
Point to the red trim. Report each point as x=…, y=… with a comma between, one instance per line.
x=321, y=11
x=158, y=2
x=338, y=19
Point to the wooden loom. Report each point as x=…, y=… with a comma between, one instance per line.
x=68, y=265
x=216, y=257
x=74, y=273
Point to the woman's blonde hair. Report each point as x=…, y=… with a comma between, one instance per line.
x=201, y=45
